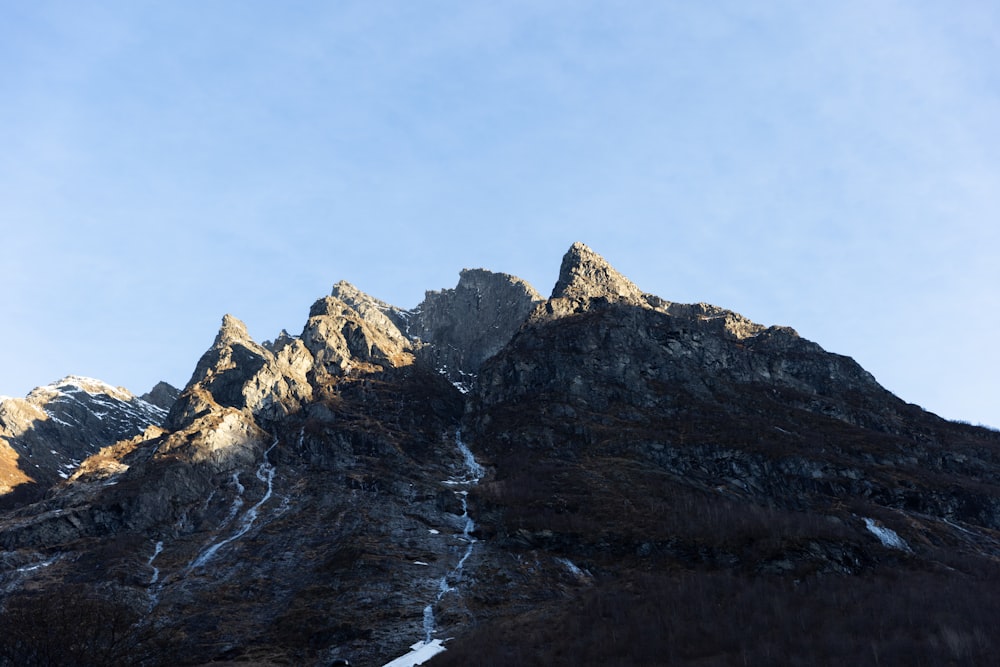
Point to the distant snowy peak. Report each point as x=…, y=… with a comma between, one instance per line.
x=49, y=432
x=77, y=383
x=76, y=393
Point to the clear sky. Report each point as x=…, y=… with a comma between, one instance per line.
x=833, y=166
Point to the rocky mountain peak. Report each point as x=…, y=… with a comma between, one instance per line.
x=236, y=372
x=352, y=334
x=381, y=316
x=351, y=294
x=44, y=436
x=584, y=277
x=484, y=279
x=162, y=395
x=232, y=330
x=584, y=274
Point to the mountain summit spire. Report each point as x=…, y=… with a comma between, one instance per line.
x=584, y=276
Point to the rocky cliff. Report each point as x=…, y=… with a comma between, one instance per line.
x=545, y=481
x=462, y=327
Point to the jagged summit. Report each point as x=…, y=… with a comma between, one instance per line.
x=585, y=275
x=351, y=294
x=162, y=395
x=379, y=315
x=587, y=279
x=616, y=456
x=232, y=329
x=480, y=278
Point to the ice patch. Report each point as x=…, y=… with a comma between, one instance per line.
x=886, y=536
x=475, y=470
x=419, y=653
x=473, y=473
x=265, y=473
x=574, y=570
x=157, y=550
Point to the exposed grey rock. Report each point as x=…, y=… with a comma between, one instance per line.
x=162, y=395
x=587, y=280
x=604, y=352
x=379, y=315
x=464, y=326
x=236, y=372
x=585, y=276
x=341, y=338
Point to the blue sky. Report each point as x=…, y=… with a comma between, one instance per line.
x=831, y=166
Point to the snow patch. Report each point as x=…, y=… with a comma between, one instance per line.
x=38, y=566
x=886, y=536
x=574, y=570
x=157, y=550
x=419, y=653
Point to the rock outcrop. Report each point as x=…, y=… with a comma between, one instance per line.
x=162, y=395
x=458, y=329
x=584, y=278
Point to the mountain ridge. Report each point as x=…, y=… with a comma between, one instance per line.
x=46, y=434
x=312, y=499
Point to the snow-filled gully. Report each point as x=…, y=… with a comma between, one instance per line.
x=428, y=647
x=265, y=473
x=157, y=550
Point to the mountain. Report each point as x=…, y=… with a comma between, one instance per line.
x=599, y=477
x=45, y=436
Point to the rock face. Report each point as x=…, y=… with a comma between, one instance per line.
x=546, y=481
x=464, y=326
x=44, y=436
x=162, y=395
x=584, y=278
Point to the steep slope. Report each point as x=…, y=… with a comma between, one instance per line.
x=649, y=457
x=322, y=463
x=45, y=436
x=661, y=483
